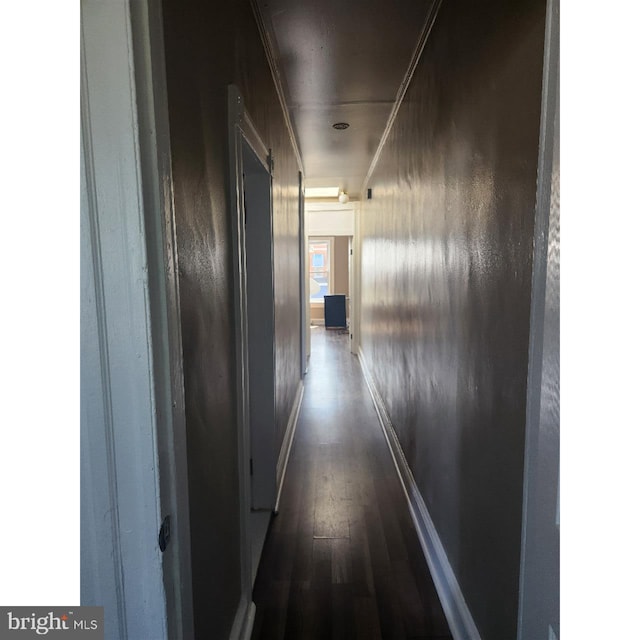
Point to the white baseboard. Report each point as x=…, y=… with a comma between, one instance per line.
x=243, y=623
x=247, y=629
x=287, y=441
x=453, y=603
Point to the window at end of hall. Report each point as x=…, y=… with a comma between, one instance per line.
x=319, y=269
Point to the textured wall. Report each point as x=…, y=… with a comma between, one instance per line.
x=446, y=285
x=208, y=46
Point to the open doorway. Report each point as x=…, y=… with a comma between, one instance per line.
x=330, y=232
x=329, y=264
x=258, y=222
x=260, y=325
x=250, y=188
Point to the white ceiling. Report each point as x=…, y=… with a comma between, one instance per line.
x=341, y=61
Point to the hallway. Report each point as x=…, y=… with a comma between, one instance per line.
x=417, y=142
x=342, y=559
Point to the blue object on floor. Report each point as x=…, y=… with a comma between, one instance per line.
x=335, y=311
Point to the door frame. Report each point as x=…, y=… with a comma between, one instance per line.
x=356, y=275
x=162, y=254
x=257, y=193
x=131, y=336
x=539, y=597
x=241, y=131
x=304, y=279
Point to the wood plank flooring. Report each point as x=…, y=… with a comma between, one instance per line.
x=342, y=559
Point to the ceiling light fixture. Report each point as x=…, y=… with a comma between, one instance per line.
x=321, y=192
x=340, y=125
x=343, y=198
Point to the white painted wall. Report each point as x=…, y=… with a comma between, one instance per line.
x=329, y=220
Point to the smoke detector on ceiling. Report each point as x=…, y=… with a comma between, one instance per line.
x=340, y=125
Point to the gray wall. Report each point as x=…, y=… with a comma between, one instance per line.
x=341, y=264
x=540, y=574
x=446, y=286
x=208, y=46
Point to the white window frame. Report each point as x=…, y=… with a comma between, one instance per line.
x=330, y=241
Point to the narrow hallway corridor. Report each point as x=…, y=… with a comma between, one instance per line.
x=240, y=161
x=342, y=559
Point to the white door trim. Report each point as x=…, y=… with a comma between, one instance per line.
x=304, y=280
x=157, y=183
x=128, y=336
x=356, y=275
x=235, y=113
x=241, y=133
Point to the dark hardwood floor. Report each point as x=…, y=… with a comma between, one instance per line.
x=342, y=559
